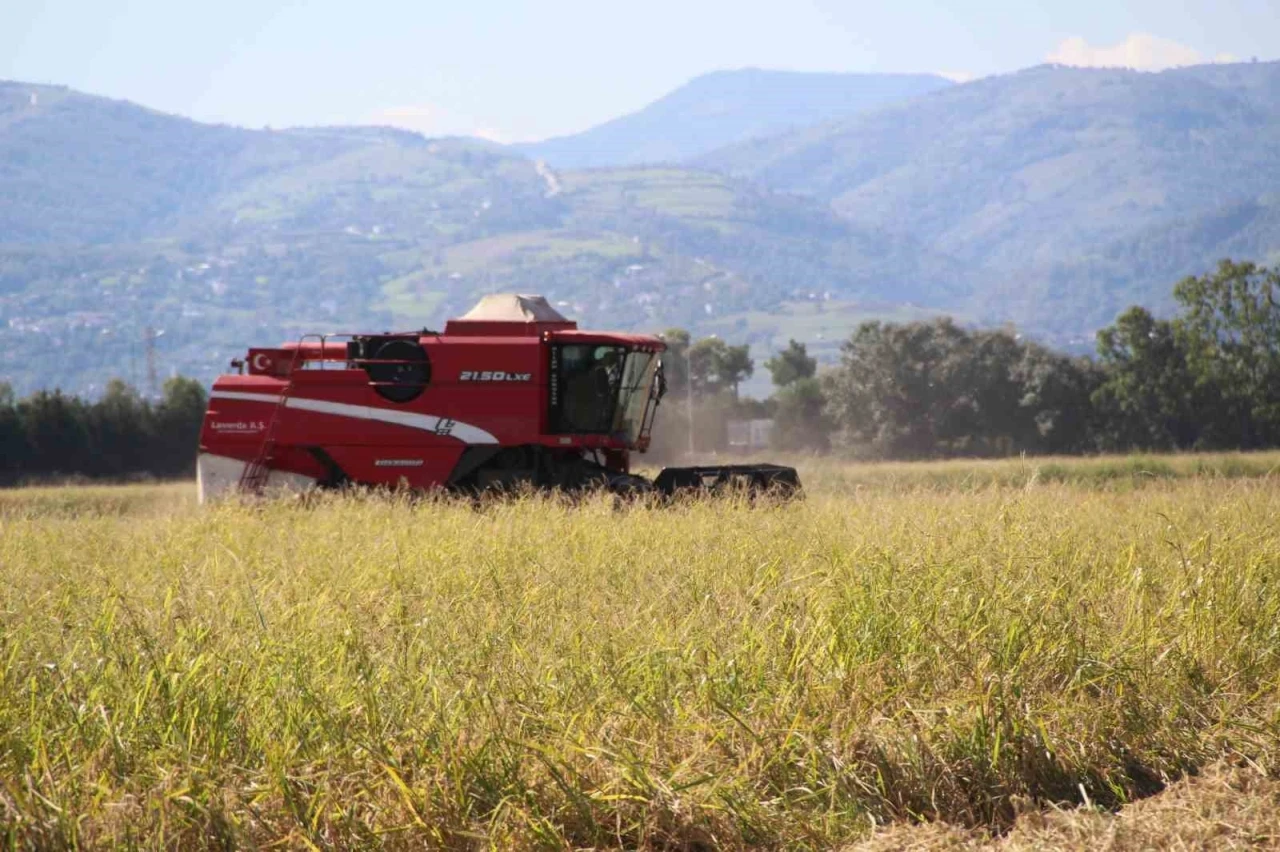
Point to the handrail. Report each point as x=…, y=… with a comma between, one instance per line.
x=300, y=357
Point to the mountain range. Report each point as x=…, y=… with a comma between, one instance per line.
x=1054, y=183
x=755, y=205
x=724, y=108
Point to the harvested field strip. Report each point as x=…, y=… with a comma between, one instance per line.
x=1225, y=808
x=1103, y=472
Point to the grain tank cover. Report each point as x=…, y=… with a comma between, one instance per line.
x=514, y=307
x=510, y=313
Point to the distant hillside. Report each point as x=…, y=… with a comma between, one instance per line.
x=1029, y=179
x=1053, y=198
x=725, y=107
x=79, y=168
x=76, y=168
x=1138, y=268
x=116, y=219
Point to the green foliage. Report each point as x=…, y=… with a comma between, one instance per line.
x=716, y=367
x=889, y=392
x=120, y=436
x=675, y=361
x=932, y=388
x=1209, y=377
x=791, y=364
x=1230, y=327
x=800, y=417
x=1058, y=389
x=1148, y=395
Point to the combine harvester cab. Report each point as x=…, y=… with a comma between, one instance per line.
x=510, y=395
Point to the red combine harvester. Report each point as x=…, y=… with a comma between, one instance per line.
x=510, y=394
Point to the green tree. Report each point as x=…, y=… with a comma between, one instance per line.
x=933, y=388
x=716, y=367
x=1057, y=394
x=1148, y=397
x=890, y=393
x=13, y=445
x=791, y=364
x=987, y=412
x=800, y=421
x=178, y=420
x=121, y=432
x=119, y=435
x=735, y=367
x=55, y=431
x=675, y=360
x=1230, y=331
x=704, y=357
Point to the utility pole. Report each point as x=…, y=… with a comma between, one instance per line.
x=133, y=360
x=688, y=387
x=149, y=341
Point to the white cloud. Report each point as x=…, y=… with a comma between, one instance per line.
x=423, y=119
x=431, y=120
x=1142, y=51
x=490, y=134
x=957, y=76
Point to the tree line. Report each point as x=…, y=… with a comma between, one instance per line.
x=120, y=436
x=1206, y=378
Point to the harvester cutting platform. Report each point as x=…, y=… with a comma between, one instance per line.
x=510, y=395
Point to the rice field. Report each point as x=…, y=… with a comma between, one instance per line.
x=945, y=654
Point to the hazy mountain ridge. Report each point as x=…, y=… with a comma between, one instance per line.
x=1043, y=169
x=726, y=107
x=1090, y=287
x=226, y=237
x=80, y=168
x=1053, y=197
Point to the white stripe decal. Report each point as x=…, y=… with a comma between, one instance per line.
x=464, y=432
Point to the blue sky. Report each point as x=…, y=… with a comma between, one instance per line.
x=515, y=69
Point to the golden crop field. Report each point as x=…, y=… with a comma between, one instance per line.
x=974, y=645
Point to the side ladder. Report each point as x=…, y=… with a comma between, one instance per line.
x=255, y=474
